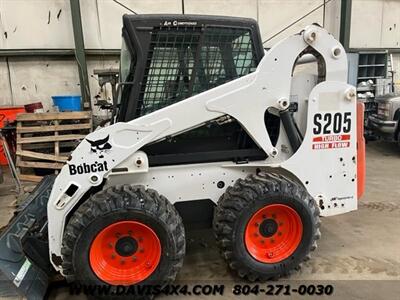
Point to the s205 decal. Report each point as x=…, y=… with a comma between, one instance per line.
x=329, y=123
x=331, y=130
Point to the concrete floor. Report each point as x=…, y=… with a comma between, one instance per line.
x=359, y=252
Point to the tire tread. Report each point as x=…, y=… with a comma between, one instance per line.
x=124, y=198
x=242, y=195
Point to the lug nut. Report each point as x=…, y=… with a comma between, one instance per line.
x=133, y=258
x=110, y=245
x=113, y=256
x=270, y=254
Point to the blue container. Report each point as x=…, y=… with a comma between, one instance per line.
x=67, y=103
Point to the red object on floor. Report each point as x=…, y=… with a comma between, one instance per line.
x=361, y=165
x=8, y=114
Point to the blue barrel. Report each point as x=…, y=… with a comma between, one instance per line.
x=67, y=103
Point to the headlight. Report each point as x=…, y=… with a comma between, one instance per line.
x=385, y=105
x=384, y=109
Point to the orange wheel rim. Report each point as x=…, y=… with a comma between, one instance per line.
x=273, y=233
x=125, y=253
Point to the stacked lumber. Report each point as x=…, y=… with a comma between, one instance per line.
x=45, y=140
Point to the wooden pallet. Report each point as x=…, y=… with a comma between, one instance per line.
x=45, y=140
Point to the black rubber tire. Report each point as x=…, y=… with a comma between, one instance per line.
x=237, y=205
x=123, y=202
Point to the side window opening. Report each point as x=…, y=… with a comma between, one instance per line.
x=243, y=55
x=182, y=63
x=169, y=69
x=127, y=65
x=125, y=62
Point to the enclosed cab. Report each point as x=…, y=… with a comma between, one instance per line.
x=168, y=59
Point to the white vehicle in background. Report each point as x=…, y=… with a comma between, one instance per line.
x=385, y=122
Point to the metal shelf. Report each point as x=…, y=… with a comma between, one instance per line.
x=370, y=77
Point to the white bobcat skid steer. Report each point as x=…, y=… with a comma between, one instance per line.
x=208, y=126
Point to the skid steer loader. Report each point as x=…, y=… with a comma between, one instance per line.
x=204, y=115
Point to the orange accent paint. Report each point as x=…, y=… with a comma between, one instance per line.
x=7, y=114
x=283, y=242
x=361, y=166
x=332, y=138
x=115, y=269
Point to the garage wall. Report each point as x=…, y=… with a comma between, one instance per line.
x=5, y=90
x=102, y=19
x=40, y=24
x=26, y=80
x=46, y=24
x=35, y=79
x=375, y=24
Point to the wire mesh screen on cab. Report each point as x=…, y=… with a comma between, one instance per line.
x=183, y=61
